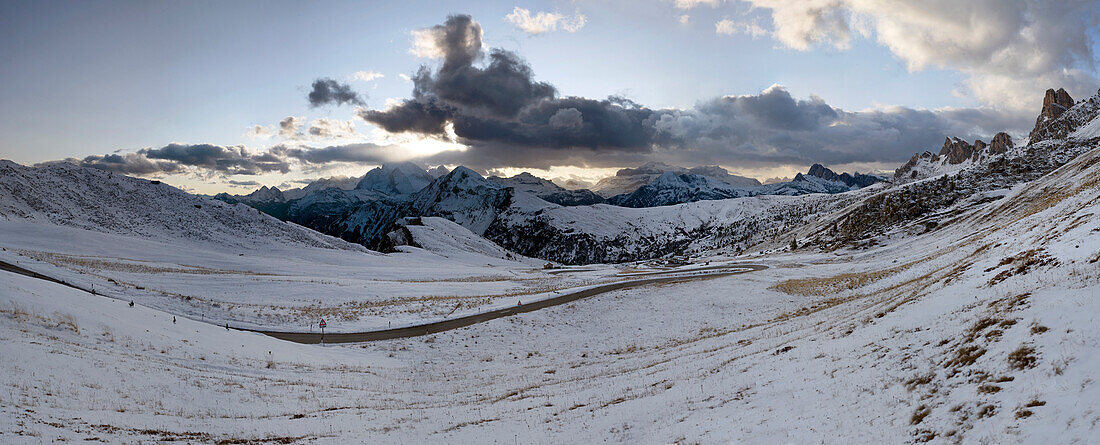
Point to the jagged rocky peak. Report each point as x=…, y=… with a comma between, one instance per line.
x=266, y=193
x=957, y=150
x=1001, y=143
x=857, y=179
x=438, y=171
x=1054, y=104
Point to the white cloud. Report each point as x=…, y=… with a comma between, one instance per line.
x=405, y=77
x=729, y=27
x=689, y=4
x=258, y=132
x=325, y=128
x=542, y=22
x=367, y=76
x=1012, y=50
x=290, y=128
x=685, y=19
x=424, y=45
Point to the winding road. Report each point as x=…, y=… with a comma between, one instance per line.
x=467, y=320
x=676, y=276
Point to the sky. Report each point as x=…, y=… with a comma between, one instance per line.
x=228, y=96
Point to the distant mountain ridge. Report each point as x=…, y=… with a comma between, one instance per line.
x=548, y=190
x=677, y=188
x=628, y=180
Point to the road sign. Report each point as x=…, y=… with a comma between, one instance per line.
x=323, y=324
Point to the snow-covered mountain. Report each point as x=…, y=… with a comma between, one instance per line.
x=547, y=190
x=462, y=196
x=607, y=234
x=628, y=180
x=922, y=204
x=677, y=188
x=339, y=182
x=91, y=199
x=401, y=178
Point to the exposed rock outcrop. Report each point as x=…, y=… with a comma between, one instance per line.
x=853, y=180
x=1001, y=143
x=1054, y=104
x=957, y=150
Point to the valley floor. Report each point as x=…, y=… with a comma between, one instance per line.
x=981, y=331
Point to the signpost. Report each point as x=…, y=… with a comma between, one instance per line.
x=322, y=324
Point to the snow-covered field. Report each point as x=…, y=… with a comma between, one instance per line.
x=981, y=331
x=287, y=287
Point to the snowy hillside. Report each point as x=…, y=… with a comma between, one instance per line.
x=920, y=206
x=450, y=240
x=97, y=200
x=605, y=233
x=980, y=332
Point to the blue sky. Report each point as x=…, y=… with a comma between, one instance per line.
x=86, y=78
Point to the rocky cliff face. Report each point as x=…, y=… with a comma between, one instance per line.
x=955, y=152
x=1054, y=104
x=1000, y=144
x=852, y=180
x=922, y=205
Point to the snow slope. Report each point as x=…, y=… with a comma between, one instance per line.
x=68, y=195
x=950, y=336
x=450, y=240
x=607, y=234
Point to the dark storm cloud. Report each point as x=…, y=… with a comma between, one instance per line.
x=509, y=119
x=365, y=153
x=425, y=116
x=228, y=160
x=129, y=163
x=330, y=92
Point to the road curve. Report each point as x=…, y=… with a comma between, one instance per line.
x=460, y=322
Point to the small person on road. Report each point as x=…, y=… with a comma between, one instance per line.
x=131, y=303
x=173, y=320
x=227, y=326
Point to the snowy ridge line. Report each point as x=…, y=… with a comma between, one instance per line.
x=419, y=329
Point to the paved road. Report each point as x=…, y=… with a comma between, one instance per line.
x=30, y=273
x=460, y=322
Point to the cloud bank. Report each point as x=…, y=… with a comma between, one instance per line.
x=1011, y=50
x=181, y=158
x=508, y=118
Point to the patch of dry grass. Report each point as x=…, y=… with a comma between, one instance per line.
x=821, y=286
x=124, y=265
